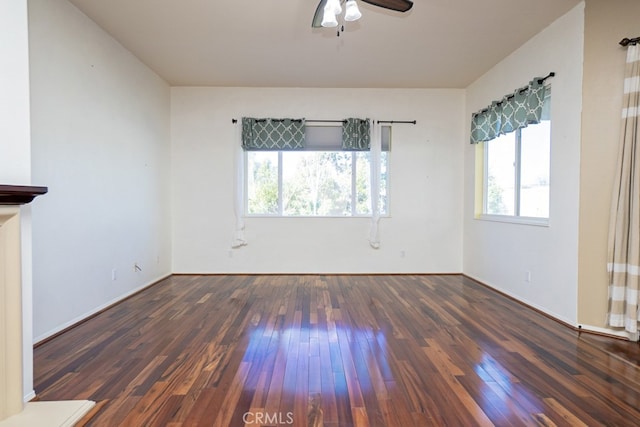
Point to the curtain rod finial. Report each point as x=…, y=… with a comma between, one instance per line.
x=627, y=41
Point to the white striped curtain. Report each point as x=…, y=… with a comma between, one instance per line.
x=239, y=239
x=376, y=154
x=624, y=230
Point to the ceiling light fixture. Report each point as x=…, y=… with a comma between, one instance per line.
x=327, y=11
x=333, y=9
x=352, y=12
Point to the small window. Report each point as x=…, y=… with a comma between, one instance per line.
x=321, y=180
x=517, y=169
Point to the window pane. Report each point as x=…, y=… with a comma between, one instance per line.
x=313, y=183
x=534, y=170
x=316, y=183
x=500, y=185
x=262, y=182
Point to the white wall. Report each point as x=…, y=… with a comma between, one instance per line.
x=15, y=160
x=101, y=143
x=15, y=147
x=425, y=177
x=499, y=254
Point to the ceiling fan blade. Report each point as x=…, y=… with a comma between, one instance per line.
x=398, y=5
x=317, y=17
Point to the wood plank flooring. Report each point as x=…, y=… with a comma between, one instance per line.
x=315, y=350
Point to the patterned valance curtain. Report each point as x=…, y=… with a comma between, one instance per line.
x=514, y=111
x=356, y=135
x=272, y=134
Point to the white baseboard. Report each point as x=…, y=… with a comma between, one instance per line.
x=63, y=413
x=604, y=331
x=30, y=395
x=527, y=303
x=96, y=310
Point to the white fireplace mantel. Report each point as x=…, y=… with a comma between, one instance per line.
x=12, y=408
x=11, y=393
x=11, y=384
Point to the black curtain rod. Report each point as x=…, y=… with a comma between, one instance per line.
x=413, y=122
x=522, y=89
x=551, y=74
x=297, y=120
x=626, y=42
x=540, y=81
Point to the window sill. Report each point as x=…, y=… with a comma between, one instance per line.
x=313, y=216
x=539, y=222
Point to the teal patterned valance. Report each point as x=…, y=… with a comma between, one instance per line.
x=272, y=134
x=514, y=111
x=356, y=135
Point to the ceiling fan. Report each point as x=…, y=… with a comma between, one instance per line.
x=352, y=13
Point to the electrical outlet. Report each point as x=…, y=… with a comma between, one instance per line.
x=114, y=274
x=527, y=276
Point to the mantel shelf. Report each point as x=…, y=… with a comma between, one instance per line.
x=19, y=194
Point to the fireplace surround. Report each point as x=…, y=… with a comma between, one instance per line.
x=13, y=411
x=11, y=369
x=11, y=388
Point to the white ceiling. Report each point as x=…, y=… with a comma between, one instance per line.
x=439, y=43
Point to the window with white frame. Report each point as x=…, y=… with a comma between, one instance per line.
x=321, y=180
x=516, y=179
x=516, y=137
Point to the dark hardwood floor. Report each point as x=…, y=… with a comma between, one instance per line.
x=314, y=350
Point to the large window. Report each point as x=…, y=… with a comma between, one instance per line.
x=516, y=179
x=319, y=181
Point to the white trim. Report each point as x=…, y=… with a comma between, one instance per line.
x=524, y=301
x=517, y=173
x=82, y=317
x=523, y=220
x=61, y=413
x=30, y=395
x=485, y=177
x=607, y=331
x=313, y=216
x=280, y=177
